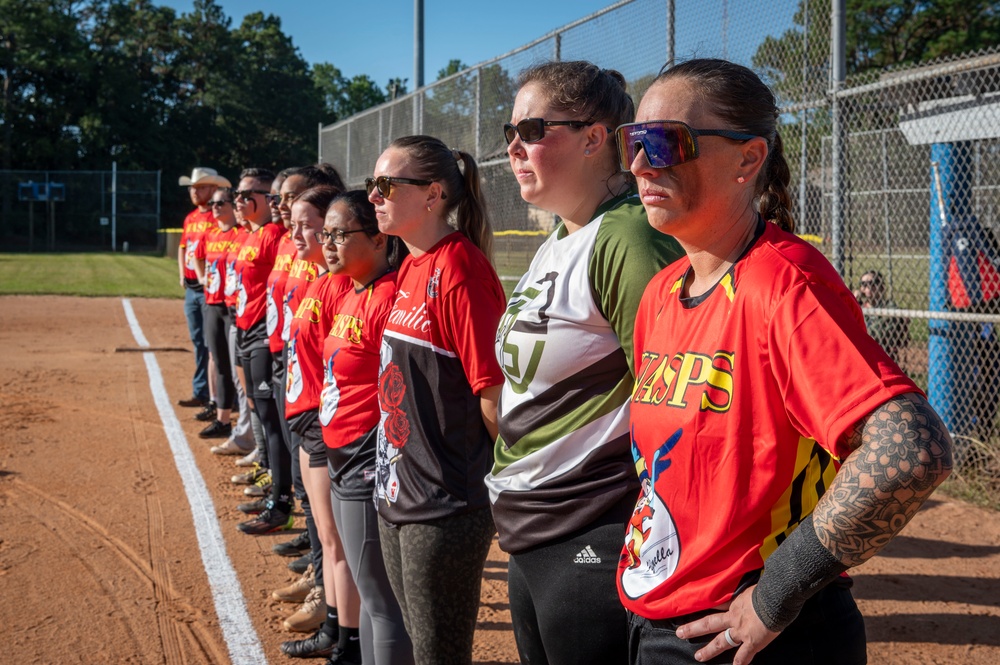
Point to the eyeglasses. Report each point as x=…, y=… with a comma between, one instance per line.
x=272, y=199
x=247, y=194
x=666, y=142
x=218, y=204
x=338, y=237
x=533, y=129
x=385, y=183
x=867, y=282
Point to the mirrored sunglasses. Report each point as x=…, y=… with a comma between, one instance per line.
x=666, y=143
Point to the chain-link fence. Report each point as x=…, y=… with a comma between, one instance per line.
x=47, y=211
x=893, y=173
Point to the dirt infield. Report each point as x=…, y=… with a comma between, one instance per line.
x=99, y=561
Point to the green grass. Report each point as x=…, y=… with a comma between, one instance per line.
x=89, y=274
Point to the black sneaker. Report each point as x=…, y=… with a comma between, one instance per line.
x=317, y=645
x=207, y=413
x=270, y=520
x=217, y=430
x=299, y=565
x=253, y=507
x=192, y=402
x=340, y=657
x=296, y=547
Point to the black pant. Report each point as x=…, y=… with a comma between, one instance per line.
x=257, y=369
x=829, y=631
x=564, y=599
x=217, y=339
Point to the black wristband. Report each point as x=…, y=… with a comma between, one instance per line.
x=799, y=568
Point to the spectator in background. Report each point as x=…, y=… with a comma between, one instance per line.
x=891, y=332
x=201, y=185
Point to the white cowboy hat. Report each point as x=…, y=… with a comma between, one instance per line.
x=203, y=175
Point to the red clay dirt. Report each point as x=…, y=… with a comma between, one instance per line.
x=99, y=562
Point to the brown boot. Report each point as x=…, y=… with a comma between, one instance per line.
x=297, y=591
x=311, y=615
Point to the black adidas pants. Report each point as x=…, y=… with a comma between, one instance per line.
x=564, y=599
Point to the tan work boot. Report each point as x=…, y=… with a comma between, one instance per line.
x=311, y=615
x=297, y=591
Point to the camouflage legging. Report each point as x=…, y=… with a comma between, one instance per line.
x=436, y=571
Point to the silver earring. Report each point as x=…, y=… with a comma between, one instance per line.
x=741, y=180
x=586, y=152
x=428, y=208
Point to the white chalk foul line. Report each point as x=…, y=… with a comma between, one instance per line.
x=237, y=628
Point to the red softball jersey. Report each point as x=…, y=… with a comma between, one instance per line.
x=213, y=250
x=253, y=266
x=301, y=275
x=437, y=355
x=742, y=400
x=196, y=224
x=348, y=409
x=309, y=328
x=276, y=292
x=231, y=281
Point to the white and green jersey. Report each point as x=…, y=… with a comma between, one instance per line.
x=563, y=456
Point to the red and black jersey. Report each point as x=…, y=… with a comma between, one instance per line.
x=308, y=330
x=276, y=292
x=349, y=410
x=437, y=355
x=742, y=399
x=253, y=266
x=196, y=224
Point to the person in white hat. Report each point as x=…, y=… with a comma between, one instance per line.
x=201, y=186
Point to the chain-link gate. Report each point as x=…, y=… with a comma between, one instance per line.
x=893, y=172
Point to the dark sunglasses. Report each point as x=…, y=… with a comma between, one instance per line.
x=533, y=129
x=218, y=204
x=338, y=237
x=272, y=199
x=384, y=184
x=666, y=142
x=247, y=194
x=867, y=282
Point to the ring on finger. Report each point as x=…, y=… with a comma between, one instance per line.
x=729, y=638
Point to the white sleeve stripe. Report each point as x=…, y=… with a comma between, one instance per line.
x=419, y=342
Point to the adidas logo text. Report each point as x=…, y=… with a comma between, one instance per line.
x=587, y=555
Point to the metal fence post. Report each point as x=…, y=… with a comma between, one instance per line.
x=838, y=44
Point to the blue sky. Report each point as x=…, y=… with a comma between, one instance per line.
x=376, y=38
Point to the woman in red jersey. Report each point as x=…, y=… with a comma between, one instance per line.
x=253, y=265
x=438, y=388
x=777, y=444
x=308, y=329
x=211, y=253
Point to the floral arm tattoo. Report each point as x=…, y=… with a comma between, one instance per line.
x=902, y=451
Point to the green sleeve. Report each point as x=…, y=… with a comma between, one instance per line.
x=628, y=252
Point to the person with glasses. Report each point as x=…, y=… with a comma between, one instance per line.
x=201, y=185
x=438, y=387
x=286, y=286
x=563, y=482
x=777, y=444
x=253, y=265
x=211, y=254
x=891, y=332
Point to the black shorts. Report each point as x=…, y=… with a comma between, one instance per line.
x=307, y=426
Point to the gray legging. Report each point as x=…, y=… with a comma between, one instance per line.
x=244, y=432
x=436, y=572
x=384, y=640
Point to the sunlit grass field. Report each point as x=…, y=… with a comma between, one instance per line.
x=91, y=274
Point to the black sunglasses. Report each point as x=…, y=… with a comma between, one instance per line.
x=218, y=204
x=666, y=142
x=247, y=194
x=384, y=184
x=533, y=129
